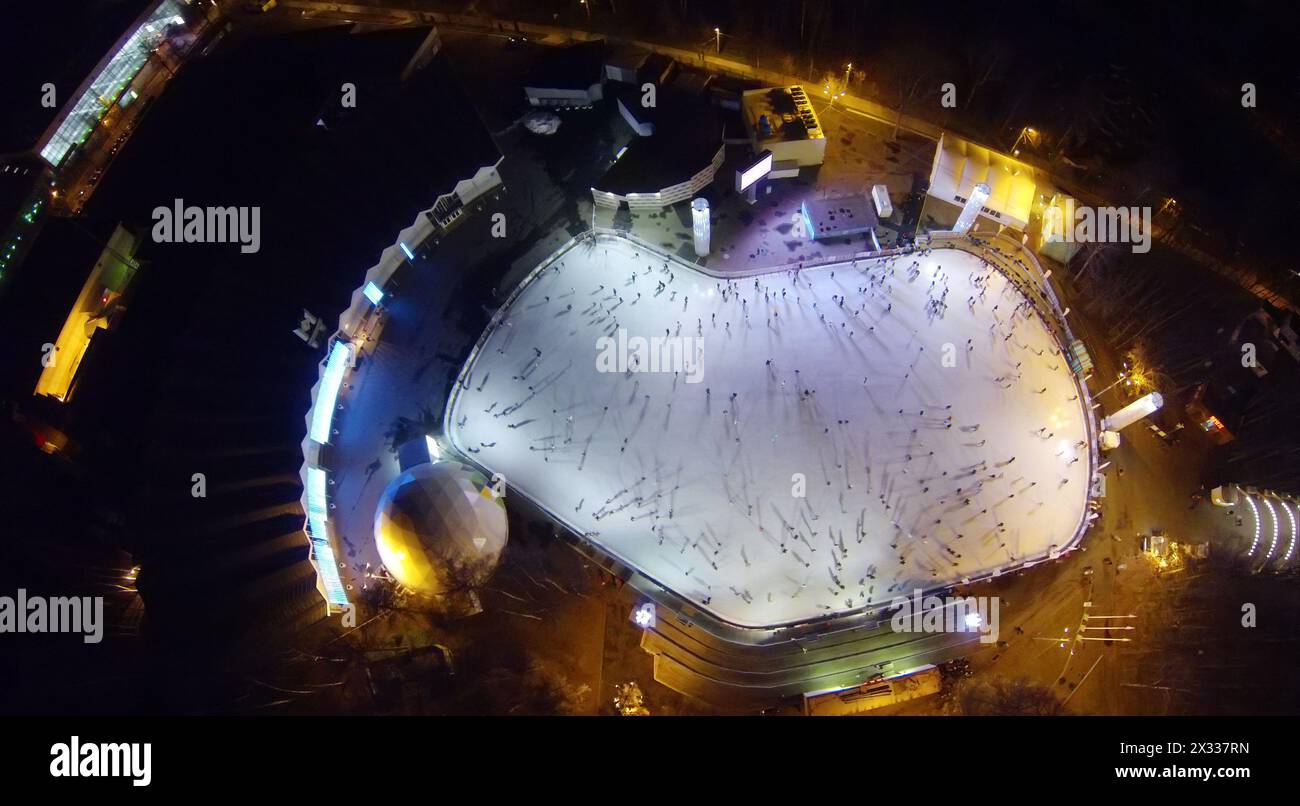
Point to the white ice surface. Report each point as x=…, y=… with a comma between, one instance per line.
x=700, y=495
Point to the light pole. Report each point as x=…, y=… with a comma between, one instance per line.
x=1121, y=377
x=1015, y=147
x=717, y=39
x=587, y=7
x=847, y=69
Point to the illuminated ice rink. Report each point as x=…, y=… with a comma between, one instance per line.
x=888, y=445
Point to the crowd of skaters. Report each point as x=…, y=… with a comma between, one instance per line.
x=931, y=511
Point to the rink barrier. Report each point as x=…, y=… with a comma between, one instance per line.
x=869, y=617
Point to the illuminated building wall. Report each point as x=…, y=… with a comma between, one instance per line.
x=315, y=498
x=107, y=84
x=323, y=557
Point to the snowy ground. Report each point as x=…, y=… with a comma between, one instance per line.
x=916, y=471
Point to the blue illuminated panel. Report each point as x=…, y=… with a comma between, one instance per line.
x=317, y=503
x=322, y=416
x=328, y=567
x=317, y=530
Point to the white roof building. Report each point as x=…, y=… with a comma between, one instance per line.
x=960, y=165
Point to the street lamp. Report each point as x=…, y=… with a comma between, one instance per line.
x=717, y=38
x=587, y=7
x=1121, y=377
x=847, y=69
x=1024, y=131
x=644, y=616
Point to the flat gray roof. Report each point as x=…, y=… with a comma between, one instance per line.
x=844, y=215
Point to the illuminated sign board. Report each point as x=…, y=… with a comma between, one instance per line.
x=754, y=172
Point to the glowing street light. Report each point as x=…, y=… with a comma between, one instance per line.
x=587, y=7
x=826, y=90
x=644, y=616
x=1122, y=376
x=1026, y=132
x=1272, y=514
x=717, y=38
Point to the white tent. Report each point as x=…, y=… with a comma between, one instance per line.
x=960, y=165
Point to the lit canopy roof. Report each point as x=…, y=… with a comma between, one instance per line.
x=108, y=82
x=959, y=165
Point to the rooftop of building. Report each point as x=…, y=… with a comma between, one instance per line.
x=788, y=114
x=960, y=165
x=688, y=132
x=627, y=57
x=61, y=41
x=692, y=80
x=40, y=296
x=841, y=215
x=656, y=68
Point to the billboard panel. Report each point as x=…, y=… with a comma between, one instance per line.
x=755, y=172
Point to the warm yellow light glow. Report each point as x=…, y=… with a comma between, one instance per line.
x=86, y=318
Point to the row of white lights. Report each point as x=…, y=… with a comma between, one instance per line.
x=1272, y=511
x=1291, y=517
x=1254, y=510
